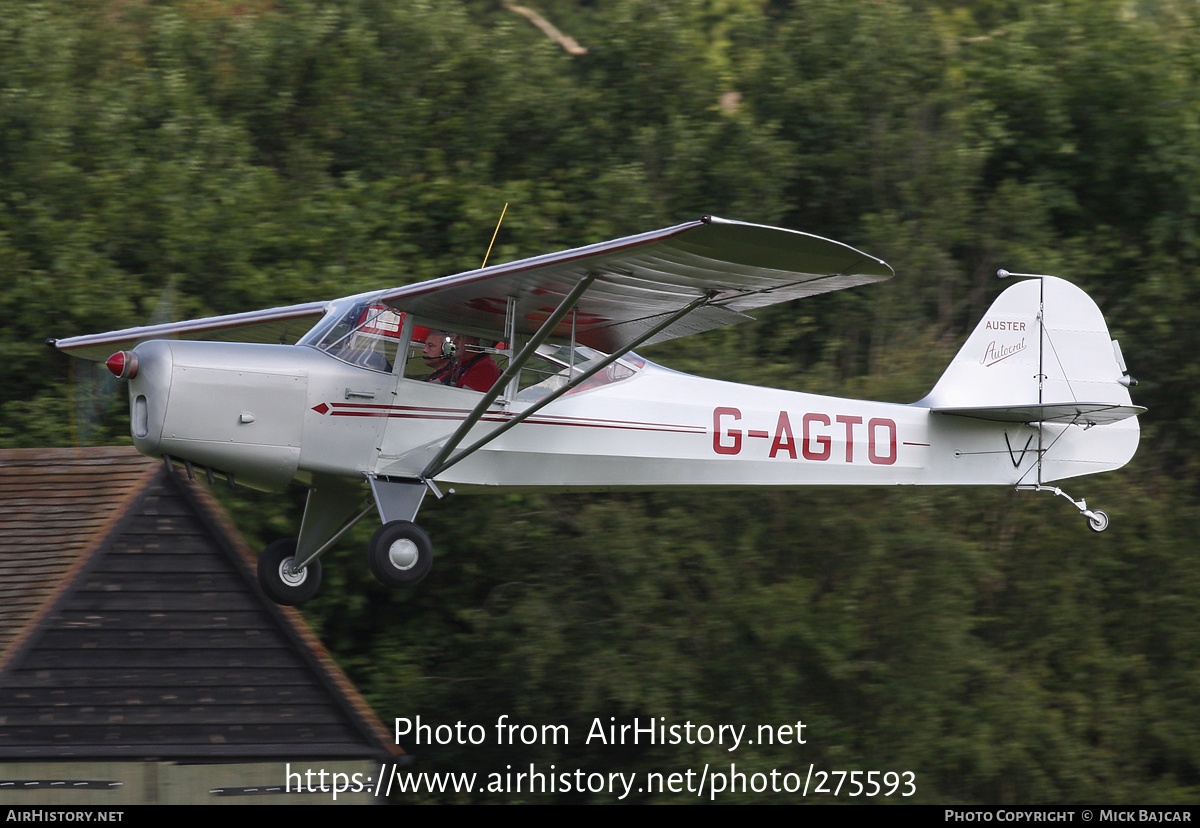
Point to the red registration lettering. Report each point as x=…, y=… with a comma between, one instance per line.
x=850, y=422
x=808, y=440
x=783, y=437
x=815, y=443
x=872, y=451
x=735, y=434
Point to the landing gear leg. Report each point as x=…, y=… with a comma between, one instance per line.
x=1097, y=519
x=281, y=580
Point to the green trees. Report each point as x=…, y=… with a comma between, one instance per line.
x=180, y=159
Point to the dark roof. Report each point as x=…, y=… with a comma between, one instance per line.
x=55, y=506
x=131, y=625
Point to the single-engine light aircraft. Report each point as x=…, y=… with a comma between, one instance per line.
x=336, y=395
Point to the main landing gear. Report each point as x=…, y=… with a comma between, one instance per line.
x=281, y=580
x=1097, y=519
x=400, y=554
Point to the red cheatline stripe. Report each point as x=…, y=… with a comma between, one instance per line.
x=415, y=413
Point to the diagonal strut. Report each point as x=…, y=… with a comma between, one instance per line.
x=438, y=467
x=514, y=367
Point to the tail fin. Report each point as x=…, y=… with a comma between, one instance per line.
x=1042, y=355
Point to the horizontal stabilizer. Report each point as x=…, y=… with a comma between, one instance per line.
x=1068, y=413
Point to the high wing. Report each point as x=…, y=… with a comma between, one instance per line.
x=280, y=326
x=638, y=282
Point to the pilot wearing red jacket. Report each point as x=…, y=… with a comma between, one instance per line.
x=472, y=368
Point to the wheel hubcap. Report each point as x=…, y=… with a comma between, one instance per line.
x=403, y=554
x=290, y=575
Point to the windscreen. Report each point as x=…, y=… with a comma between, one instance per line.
x=363, y=333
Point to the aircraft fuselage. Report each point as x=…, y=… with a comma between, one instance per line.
x=269, y=414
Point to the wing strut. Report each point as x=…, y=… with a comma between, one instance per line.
x=437, y=468
x=513, y=369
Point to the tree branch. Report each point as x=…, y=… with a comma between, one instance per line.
x=568, y=43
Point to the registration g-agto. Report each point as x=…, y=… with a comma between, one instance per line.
x=326, y=393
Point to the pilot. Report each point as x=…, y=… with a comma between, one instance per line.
x=472, y=368
x=435, y=355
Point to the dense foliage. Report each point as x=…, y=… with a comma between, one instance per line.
x=176, y=159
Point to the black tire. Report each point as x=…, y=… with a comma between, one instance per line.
x=282, y=587
x=400, y=554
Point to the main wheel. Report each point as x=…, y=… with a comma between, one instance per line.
x=283, y=584
x=1099, y=521
x=400, y=553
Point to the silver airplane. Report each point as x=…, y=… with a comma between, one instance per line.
x=338, y=395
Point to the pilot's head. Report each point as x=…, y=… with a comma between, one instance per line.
x=434, y=352
x=465, y=346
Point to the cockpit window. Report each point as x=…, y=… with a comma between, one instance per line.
x=366, y=334
x=557, y=365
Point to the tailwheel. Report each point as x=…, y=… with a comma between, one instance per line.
x=280, y=580
x=1097, y=520
x=400, y=553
